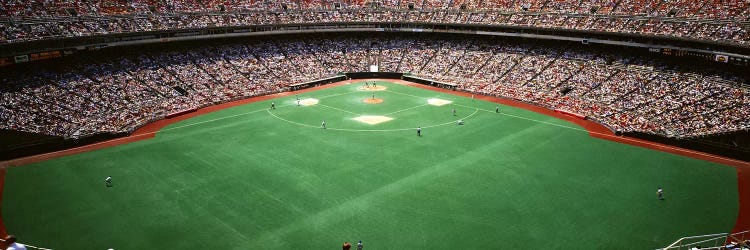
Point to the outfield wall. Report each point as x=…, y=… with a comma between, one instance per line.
x=694, y=144
x=318, y=82
x=54, y=144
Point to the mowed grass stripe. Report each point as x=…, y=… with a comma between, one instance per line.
x=253, y=181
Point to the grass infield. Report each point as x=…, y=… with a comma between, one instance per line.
x=251, y=177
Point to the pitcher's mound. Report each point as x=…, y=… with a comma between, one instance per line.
x=372, y=119
x=371, y=88
x=372, y=100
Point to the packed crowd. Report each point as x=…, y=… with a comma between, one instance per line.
x=627, y=95
x=624, y=93
x=723, y=21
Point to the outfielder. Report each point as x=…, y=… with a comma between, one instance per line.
x=108, y=181
x=660, y=193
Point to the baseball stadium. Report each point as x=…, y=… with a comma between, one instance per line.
x=375, y=124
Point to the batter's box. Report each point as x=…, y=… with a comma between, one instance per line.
x=372, y=119
x=438, y=102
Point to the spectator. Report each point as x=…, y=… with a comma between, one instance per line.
x=10, y=240
x=715, y=20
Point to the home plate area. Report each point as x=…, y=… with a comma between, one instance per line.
x=372, y=119
x=308, y=101
x=438, y=101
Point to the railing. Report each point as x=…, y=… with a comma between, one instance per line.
x=711, y=241
x=27, y=246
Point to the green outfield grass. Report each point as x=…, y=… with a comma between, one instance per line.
x=252, y=178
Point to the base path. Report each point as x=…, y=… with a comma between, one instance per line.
x=594, y=130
